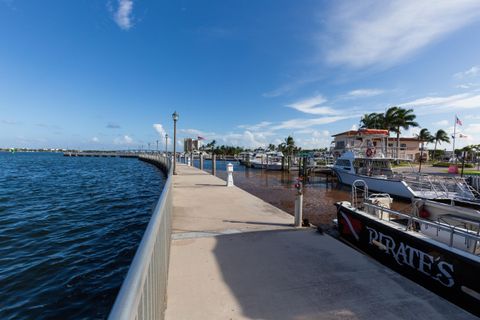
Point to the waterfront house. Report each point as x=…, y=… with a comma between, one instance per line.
x=410, y=147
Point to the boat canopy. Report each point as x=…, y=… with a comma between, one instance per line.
x=381, y=132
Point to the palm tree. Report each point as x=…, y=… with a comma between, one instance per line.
x=402, y=119
x=439, y=137
x=288, y=145
x=372, y=120
x=424, y=136
x=271, y=147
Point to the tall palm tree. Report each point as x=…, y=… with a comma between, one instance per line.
x=372, y=120
x=402, y=119
x=289, y=145
x=271, y=147
x=423, y=136
x=439, y=137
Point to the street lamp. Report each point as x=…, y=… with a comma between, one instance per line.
x=175, y=119
x=157, y=146
x=166, y=143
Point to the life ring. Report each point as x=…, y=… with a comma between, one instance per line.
x=370, y=152
x=423, y=213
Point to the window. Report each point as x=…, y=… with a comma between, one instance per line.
x=343, y=163
x=403, y=145
x=339, y=144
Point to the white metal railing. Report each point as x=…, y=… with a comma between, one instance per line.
x=471, y=239
x=143, y=292
x=433, y=186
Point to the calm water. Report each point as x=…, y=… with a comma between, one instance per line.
x=69, y=228
x=277, y=188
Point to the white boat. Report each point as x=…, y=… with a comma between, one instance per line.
x=436, y=244
x=267, y=160
x=368, y=163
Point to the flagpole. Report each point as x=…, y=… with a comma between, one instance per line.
x=454, y=135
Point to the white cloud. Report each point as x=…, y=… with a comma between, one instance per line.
x=354, y=127
x=305, y=123
x=255, y=127
x=472, y=72
x=383, y=33
x=451, y=103
x=95, y=139
x=124, y=140
x=468, y=85
x=160, y=130
x=364, y=93
x=441, y=123
x=123, y=15
x=195, y=132
x=312, y=106
x=292, y=85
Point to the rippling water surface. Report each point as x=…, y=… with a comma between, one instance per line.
x=69, y=228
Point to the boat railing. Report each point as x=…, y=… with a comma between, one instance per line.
x=380, y=152
x=385, y=214
x=425, y=185
x=143, y=292
x=359, y=193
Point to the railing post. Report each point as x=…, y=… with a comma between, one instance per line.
x=214, y=164
x=201, y=161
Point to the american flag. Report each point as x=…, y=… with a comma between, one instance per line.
x=458, y=121
x=200, y=138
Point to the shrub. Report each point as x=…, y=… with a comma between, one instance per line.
x=448, y=164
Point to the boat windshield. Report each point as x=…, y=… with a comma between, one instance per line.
x=373, y=167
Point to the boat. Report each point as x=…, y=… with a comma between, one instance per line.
x=271, y=160
x=436, y=245
x=368, y=162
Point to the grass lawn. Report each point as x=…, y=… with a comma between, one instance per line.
x=468, y=171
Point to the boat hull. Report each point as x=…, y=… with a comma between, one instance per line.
x=449, y=273
x=396, y=188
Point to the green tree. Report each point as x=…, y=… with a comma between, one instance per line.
x=271, y=147
x=439, y=137
x=372, y=121
x=401, y=119
x=288, y=146
x=423, y=136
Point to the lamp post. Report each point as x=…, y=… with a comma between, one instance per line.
x=175, y=119
x=157, y=146
x=166, y=143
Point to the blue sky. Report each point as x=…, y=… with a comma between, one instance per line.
x=109, y=73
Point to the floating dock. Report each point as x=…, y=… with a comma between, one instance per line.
x=234, y=256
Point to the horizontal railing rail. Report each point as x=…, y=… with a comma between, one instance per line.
x=143, y=292
x=453, y=230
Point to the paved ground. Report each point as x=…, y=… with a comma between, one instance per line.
x=236, y=257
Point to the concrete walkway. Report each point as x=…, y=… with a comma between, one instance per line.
x=236, y=257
